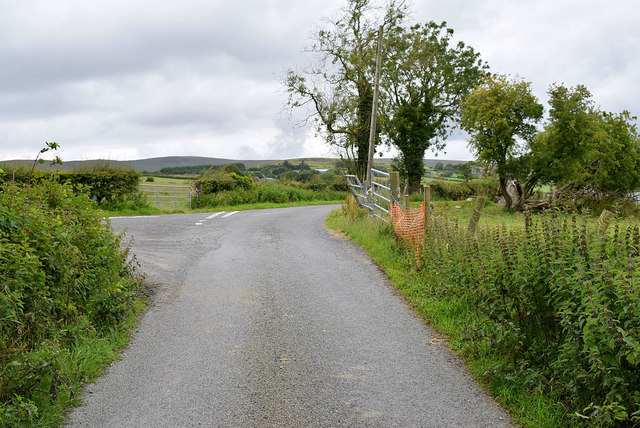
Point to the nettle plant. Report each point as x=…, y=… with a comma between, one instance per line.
x=560, y=299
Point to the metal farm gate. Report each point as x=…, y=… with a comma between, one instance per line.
x=377, y=199
x=162, y=194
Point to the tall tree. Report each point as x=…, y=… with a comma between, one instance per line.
x=584, y=150
x=500, y=115
x=425, y=79
x=558, y=151
x=338, y=88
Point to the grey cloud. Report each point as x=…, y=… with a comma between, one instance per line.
x=146, y=78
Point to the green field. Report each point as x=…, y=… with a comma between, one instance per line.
x=185, y=180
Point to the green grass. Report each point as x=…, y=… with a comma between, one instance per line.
x=242, y=207
x=135, y=212
x=265, y=205
x=84, y=364
x=497, y=215
x=187, y=180
x=447, y=315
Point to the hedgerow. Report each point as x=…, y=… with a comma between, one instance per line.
x=456, y=191
x=265, y=192
x=103, y=184
x=64, y=281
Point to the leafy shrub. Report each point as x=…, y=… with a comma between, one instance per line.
x=265, y=192
x=488, y=187
x=328, y=177
x=221, y=180
x=449, y=190
x=315, y=183
x=64, y=277
x=458, y=191
x=135, y=201
x=105, y=184
x=101, y=183
x=339, y=184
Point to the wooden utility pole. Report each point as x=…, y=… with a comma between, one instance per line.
x=374, y=111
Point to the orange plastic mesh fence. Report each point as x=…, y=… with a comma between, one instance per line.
x=408, y=224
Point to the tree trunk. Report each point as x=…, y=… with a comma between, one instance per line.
x=412, y=158
x=415, y=177
x=505, y=194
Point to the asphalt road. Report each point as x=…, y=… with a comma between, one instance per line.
x=263, y=318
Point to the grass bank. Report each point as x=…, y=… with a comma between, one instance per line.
x=69, y=299
x=544, y=313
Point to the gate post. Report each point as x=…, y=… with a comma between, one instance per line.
x=394, y=184
x=427, y=210
x=475, y=216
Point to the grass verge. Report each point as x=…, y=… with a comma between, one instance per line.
x=241, y=207
x=69, y=299
x=84, y=363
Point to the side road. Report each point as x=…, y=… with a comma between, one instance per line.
x=263, y=318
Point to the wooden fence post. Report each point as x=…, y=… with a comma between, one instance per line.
x=405, y=197
x=604, y=220
x=427, y=210
x=475, y=216
x=394, y=184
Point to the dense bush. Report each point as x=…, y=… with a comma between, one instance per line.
x=101, y=183
x=221, y=180
x=458, y=191
x=196, y=169
x=559, y=300
x=106, y=183
x=339, y=183
x=265, y=192
x=64, y=278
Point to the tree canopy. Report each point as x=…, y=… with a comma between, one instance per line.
x=589, y=153
x=425, y=79
x=500, y=115
x=338, y=88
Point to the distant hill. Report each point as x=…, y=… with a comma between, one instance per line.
x=150, y=164
x=156, y=164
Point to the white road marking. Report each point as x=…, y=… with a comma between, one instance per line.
x=230, y=214
x=214, y=215
x=198, y=224
x=136, y=216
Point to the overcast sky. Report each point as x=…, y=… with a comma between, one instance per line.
x=131, y=79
